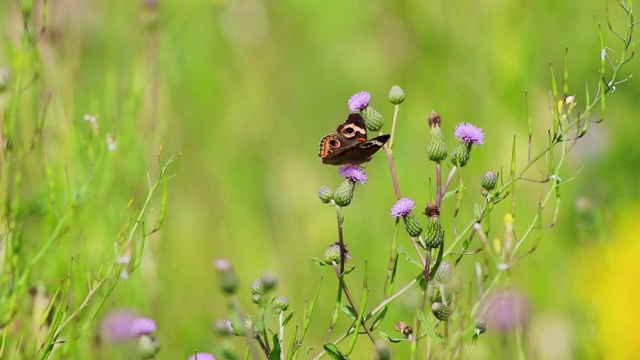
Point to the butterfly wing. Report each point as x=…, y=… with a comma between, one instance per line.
x=356, y=154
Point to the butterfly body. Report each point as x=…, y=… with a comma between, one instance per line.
x=349, y=144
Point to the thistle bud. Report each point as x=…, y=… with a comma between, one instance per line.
x=344, y=193
x=461, y=155
x=412, y=224
x=434, y=234
x=372, y=118
x=440, y=311
x=256, y=298
x=325, y=194
x=396, y=95
x=281, y=303
x=269, y=281
x=332, y=254
x=489, y=180
x=148, y=346
x=480, y=326
x=436, y=146
x=227, y=276
x=257, y=287
x=444, y=273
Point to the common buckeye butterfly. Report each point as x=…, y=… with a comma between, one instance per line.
x=349, y=145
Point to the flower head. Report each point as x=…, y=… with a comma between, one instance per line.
x=142, y=326
x=359, y=101
x=469, y=134
x=202, y=356
x=508, y=310
x=402, y=207
x=122, y=325
x=353, y=173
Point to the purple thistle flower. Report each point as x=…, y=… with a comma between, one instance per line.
x=353, y=173
x=202, y=356
x=142, y=326
x=508, y=310
x=469, y=134
x=402, y=207
x=123, y=325
x=359, y=101
x=116, y=325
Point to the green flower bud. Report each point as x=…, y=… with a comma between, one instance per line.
x=257, y=287
x=489, y=180
x=269, y=281
x=148, y=346
x=223, y=327
x=372, y=118
x=440, y=311
x=332, y=254
x=325, y=194
x=227, y=276
x=436, y=146
x=412, y=224
x=480, y=326
x=444, y=273
x=281, y=303
x=396, y=95
x=256, y=298
x=344, y=193
x=434, y=234
x=461, y=154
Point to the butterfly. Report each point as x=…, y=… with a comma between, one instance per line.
x=349, y=145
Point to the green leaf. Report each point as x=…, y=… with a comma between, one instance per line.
x=318, y=261
x=275, y=352
x=423, y=319
x=449, y=194
x=286, y=320
x=349, y=311
x=385, y=335
x=346, y=272
x=333, y=351
x=402, y=251
x=379, y=318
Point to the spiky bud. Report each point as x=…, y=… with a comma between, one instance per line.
x=444, y=273
x=257, y=287
x=281, y=303
x=269, y=281
x=332, y=254
x=412, y=224
x=227, y=276
x=461, y=155
x=325, y=194
x=344, y=193
x=396, y=95
x=440, y=311
x=434, y=234
x=148, y=346
x=436, y=146
x=223, y=327
x=372, y=118
x=256, y=298
x=489, y=180
x=480, y=326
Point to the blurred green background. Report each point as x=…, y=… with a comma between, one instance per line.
x=245, y=89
